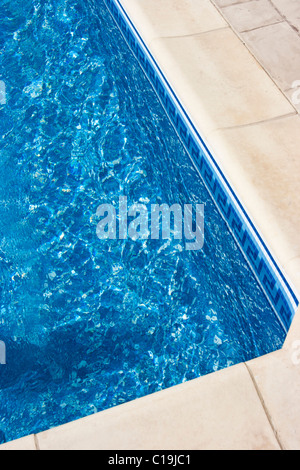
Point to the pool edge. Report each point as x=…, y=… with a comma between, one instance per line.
x=177, y=95
x=249, y=406
x=271, y=389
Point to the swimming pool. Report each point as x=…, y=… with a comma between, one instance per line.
x=87, y=323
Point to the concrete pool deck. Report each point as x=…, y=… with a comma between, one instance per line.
x=235, y=67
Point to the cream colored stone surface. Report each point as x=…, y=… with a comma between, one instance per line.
x=292, y=269
x=271, y=31
x=173, y=17
x=225, y=3
x=218, y=92
x=293, y=337
x=277, y=376
x=25, y=443
x=290, y=10
x=263, y=164
x=277, y=47
x=251, y=15
x=218, y=411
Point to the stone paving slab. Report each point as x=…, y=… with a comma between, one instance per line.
x=25, y=443
x=271, y=31
x=267, y=167
x=186, y=17
x=277, y=47
x=219, y=94
x=221, y=411
x=251, y=15
x=277, y=378
x=253, y=405
x=290, y=11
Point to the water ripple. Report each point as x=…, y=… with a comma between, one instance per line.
x=89, y=324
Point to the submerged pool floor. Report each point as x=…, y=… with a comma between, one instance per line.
x=89, y=324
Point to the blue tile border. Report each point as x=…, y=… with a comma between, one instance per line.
x=274, y=284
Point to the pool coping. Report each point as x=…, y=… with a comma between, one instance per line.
x=259, y=407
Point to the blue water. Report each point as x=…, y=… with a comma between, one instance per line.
x=89, y=324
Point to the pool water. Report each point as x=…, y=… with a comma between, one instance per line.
x=89, y=324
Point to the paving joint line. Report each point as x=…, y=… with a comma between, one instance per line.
x=255, y=57
x=267, y=413
x=36, y=442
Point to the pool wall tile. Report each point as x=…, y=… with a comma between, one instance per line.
x=271, y=278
